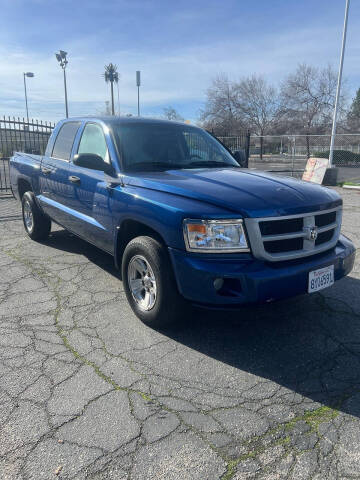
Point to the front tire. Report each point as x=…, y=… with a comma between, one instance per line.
x=37, y=224
x=149, y=283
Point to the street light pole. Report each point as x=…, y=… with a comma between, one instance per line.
x=333, y=131
x=61, y=58
x=27, y=74
x=26, y=103
x=66, y=100
x=138, y=90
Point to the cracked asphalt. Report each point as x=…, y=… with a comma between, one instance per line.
x=88, y=392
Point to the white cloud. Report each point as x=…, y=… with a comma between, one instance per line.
x=180, y=77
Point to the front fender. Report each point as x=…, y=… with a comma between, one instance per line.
x=162, y=212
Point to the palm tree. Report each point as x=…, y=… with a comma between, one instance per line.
x=111, y=75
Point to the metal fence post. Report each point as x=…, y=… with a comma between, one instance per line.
x=247, y=148
x=293, y=158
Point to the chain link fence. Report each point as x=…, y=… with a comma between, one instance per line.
x=346, y=147
x=288, y=154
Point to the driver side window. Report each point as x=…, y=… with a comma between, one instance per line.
x=93, y=141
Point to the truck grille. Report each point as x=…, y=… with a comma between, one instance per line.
x=294, y=236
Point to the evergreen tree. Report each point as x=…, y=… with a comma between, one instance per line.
x=354, y=114
x=111, y=75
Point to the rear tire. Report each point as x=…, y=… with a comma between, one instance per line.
x=37, y=224
x=150, y=285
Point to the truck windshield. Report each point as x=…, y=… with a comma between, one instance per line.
x=154, y=147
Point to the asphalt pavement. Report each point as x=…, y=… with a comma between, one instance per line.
x=88, y=392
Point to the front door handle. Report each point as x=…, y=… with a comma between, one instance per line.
x=46, y=171
x=74, y=179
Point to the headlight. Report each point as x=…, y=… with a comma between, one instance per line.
x=215, y=236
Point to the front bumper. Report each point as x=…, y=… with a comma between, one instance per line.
x=249, y=280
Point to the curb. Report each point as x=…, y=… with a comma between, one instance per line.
x=352, y=187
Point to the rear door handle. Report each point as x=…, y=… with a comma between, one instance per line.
x=46, y=171
x=74, y=179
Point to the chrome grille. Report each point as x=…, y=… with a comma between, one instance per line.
x=294, y=236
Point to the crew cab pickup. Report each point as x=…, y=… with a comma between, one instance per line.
x=185, y=224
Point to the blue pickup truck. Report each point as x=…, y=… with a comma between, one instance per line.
x=185, y=224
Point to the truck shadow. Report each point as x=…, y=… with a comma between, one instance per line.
x=67, y=242
x=309, y=344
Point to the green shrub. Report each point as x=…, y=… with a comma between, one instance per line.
x=341, y=157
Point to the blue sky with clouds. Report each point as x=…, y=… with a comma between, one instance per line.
x=179, y=47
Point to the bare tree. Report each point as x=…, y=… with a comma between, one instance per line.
x=220, y=114
x=308, y=97
x=302, y=105
x=257, y=102
x=171, y=114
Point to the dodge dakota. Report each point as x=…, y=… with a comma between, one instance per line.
x=185, y=224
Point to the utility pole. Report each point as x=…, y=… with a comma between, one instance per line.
x=118, y=98
x=338, y=88
x=112, y=98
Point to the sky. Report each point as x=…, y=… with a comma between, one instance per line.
x=179, y=46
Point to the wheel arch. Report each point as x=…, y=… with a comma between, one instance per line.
x=129, y=229
x=24, y=185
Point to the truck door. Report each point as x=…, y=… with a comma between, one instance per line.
x=55, y=190
x=90, y=199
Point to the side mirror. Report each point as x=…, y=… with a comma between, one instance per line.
x=240, y=157
x=93, y=162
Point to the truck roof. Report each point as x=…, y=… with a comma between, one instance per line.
x=110, y=120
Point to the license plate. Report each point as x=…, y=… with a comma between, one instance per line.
x=322, y=278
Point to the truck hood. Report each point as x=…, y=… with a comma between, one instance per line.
x=248, y=193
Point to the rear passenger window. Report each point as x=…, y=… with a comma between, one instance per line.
x=64, y=141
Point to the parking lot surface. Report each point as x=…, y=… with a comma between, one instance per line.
x=88, y=392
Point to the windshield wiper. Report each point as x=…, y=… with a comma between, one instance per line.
x=156, y=166
x=210, y=163
x=149, y=166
